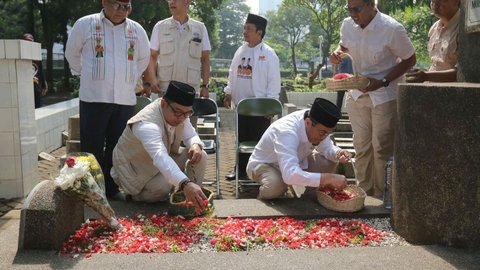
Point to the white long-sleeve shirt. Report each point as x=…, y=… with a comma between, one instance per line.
x=151, y=137
x=265, y=77
x=376, y=50
x=110, y=58
x=285, y=145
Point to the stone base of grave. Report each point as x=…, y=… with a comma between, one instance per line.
x=436, y=192
x=49, y=216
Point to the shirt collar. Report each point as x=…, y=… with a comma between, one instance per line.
x=103, y=17
x=453, y=21
x=372, y=24
x=176, y=24
x=303, y=133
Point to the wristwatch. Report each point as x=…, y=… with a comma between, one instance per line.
x=184, y=183
x=203, y=85
x=385, y=82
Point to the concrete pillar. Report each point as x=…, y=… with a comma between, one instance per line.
x=436, y=192
x=18, y=142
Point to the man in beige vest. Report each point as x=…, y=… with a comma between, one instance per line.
x=179, y=50
x=148, y=160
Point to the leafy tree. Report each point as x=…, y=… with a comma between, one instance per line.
x=12, y=19
x=288, y=27
x=329, y=15
x=417, y=20
x=205, y=10
x=231, y=17
x=391, y=6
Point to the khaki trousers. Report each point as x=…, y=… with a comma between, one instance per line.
x=271, y=181
x=373, y=139
x=159, y=188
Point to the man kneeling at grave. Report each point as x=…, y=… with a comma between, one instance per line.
x=148, y=160
x=296, y=150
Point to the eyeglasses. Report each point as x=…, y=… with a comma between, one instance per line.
x=322, y=133
x=179, y=113
x=118, y=6
x=355, y=10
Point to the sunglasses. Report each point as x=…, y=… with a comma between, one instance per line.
x=118, y=6
x=355, y=10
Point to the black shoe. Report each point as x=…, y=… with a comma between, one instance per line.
x=230, y=176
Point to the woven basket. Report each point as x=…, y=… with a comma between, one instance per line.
x=350, y=205
x=354, y=82
x=177, y=205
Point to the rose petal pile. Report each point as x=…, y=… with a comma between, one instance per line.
x=166, y=234
x=336, y=194
x=340, y=76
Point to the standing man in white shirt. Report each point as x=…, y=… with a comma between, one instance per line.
x=382, y=52
x=297, y=150
x=260, y=79
x=109, y=52
x=180, y=51
x=148, y=160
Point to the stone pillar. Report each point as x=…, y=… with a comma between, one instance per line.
x=436, y=192
x=18, y=151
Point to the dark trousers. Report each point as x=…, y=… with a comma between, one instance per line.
x=340, y=95
x=101, y=125
x=38, y=98
x=250, y=128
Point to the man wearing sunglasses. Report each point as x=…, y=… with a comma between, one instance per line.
x=109, y=52
x=382, y=52
x=180, y=50
x=149, y=160
x=297, y=150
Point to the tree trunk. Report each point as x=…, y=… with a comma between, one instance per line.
x=294, y=64
x=66, y=66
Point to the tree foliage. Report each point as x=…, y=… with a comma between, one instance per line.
x=231, y=17
x=12, y=19
x=288, y=28
x=329, y=15
x=417, y=20
x=392, y=6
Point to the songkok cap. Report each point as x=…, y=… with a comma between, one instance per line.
x=28, y=36
x=259, y=21
x=325, y=112
x=180, y=93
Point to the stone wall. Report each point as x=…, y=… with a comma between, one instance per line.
x=436, y=192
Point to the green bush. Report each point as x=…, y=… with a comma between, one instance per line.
x=75, y=86
x=216, y=85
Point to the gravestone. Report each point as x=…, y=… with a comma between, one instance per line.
x=48, y=217
x=436, y=187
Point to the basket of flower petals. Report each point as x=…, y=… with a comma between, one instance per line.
x=350, y=199
x=180, y=206
x=345, y=81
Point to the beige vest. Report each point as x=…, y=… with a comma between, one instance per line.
x=180, y=54
x=133, y=165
